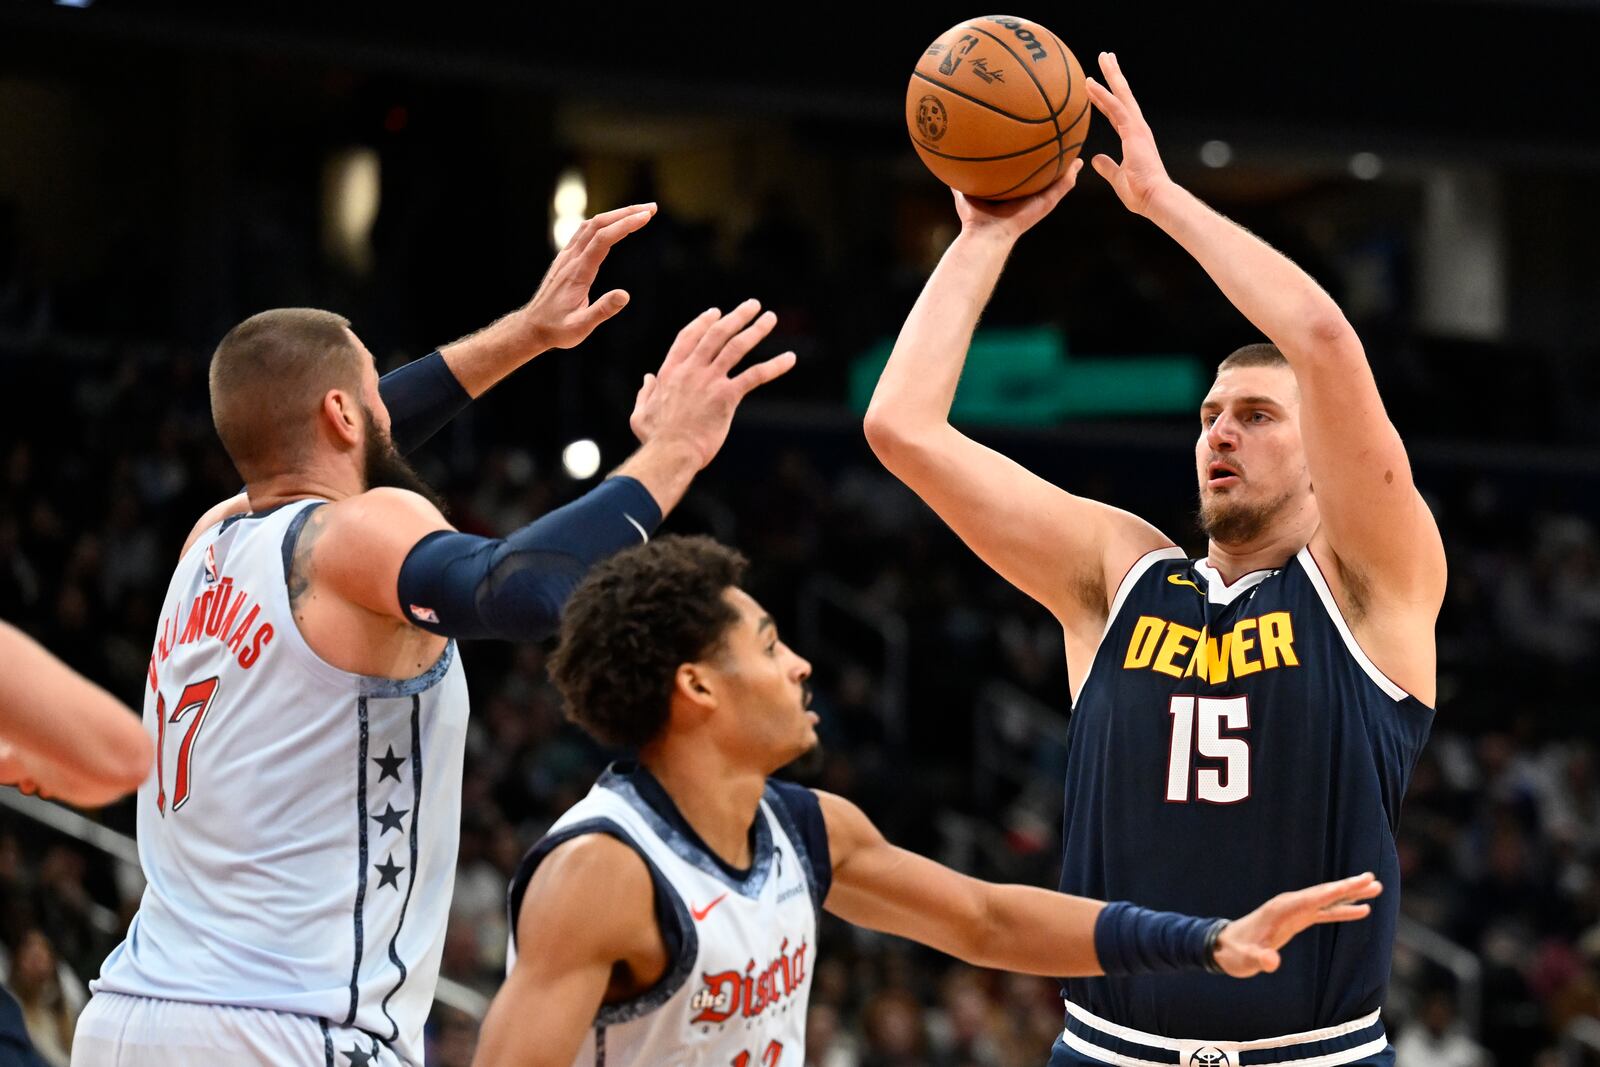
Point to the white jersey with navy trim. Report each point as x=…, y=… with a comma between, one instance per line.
x=742, y=944
x=299, y=832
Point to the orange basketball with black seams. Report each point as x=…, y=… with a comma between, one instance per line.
x=997, y=107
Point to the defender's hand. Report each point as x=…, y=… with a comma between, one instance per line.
x=691, y=399
x=560, y=314
x=1249, y=946
x=1141, y=174
x=1013, y=218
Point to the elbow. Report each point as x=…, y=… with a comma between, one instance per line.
x=882, y=431
x=131, y=764
x=124, y=766
x=894, y=441
x=1327, y=328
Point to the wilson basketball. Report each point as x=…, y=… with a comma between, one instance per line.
x=997, y=107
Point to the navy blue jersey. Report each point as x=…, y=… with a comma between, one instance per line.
x=1231, y=742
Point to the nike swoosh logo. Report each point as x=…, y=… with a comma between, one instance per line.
x=1175, y=580
x=700, y=913
x=635, y=524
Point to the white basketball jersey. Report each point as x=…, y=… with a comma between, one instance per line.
x=299, y=833
x=744, y=943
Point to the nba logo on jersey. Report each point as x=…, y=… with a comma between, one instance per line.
x=211, y=564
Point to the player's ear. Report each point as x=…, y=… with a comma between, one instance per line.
x=694, y=691
x=341, y=410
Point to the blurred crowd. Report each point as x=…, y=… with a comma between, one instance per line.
x=114, y=457
x=110, y=457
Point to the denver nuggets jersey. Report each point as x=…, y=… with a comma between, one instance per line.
x=742, y=943
x=1231, y=742
x=299, y=832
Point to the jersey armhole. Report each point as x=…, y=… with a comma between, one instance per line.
x=672, y=915
x=1330, y=604
x=800, y=814
x=1124, y=588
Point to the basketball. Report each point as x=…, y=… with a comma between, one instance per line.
x=997, y=107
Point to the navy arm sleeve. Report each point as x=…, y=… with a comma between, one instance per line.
x=422, y=397
x=801, y=813
x=462, y=585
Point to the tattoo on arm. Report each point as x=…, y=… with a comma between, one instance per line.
x=300, y=562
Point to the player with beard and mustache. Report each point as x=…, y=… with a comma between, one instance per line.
x=305, y=697
x=1242, y=722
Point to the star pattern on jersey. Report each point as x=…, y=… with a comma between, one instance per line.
x=357, y=1057
x=389, y=873
x=390, y=819
x=390, y=764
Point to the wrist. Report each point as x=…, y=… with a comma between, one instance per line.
x=1165, y=201
x=985, y=237
x=674, y=450
x=1213, y=941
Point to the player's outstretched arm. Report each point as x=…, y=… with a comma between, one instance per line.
x=1066, y=552
x=589, y=907
x=427, y=393
x=60, y=734
x=1036, y=931
x=392, y=552
x=1373, y=517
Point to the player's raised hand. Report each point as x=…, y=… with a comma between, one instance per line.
x=1141, y=173
x=692, y=398
x=1250, y=945
x=560, y=314
x=1013, y=218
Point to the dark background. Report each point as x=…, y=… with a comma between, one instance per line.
x=167, y=169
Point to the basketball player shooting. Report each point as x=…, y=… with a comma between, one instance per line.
x=309, y=708
x=671, y=915
x=1243, y=722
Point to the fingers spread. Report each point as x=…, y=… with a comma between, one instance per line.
x=741, y=343
x=1108, y=105
x=689, y=337
x=1104, y=167
x=723, y=332
x=764, y=372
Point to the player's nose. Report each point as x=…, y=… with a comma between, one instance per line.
x=1221, y=434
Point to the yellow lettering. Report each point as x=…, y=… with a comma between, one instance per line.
x=1217, y=659
x=1143, y=644
x=1277, y=640
x=1173, y=647
x=1241, y=647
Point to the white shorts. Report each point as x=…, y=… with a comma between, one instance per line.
x=116, y=1030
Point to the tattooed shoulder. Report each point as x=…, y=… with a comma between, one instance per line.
x=316, y=525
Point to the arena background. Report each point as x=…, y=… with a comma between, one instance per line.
x=167, y=169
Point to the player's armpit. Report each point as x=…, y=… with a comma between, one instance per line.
x=588, y=907
x=1065, y=551
x=354, y=548
x=1011, y=927
x=1373, y=518
x=234, y=505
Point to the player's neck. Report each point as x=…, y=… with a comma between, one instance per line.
x=323, y=484
x=720, y=801
x=1273, y=548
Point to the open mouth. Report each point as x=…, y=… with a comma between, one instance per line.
x=1221, y=476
